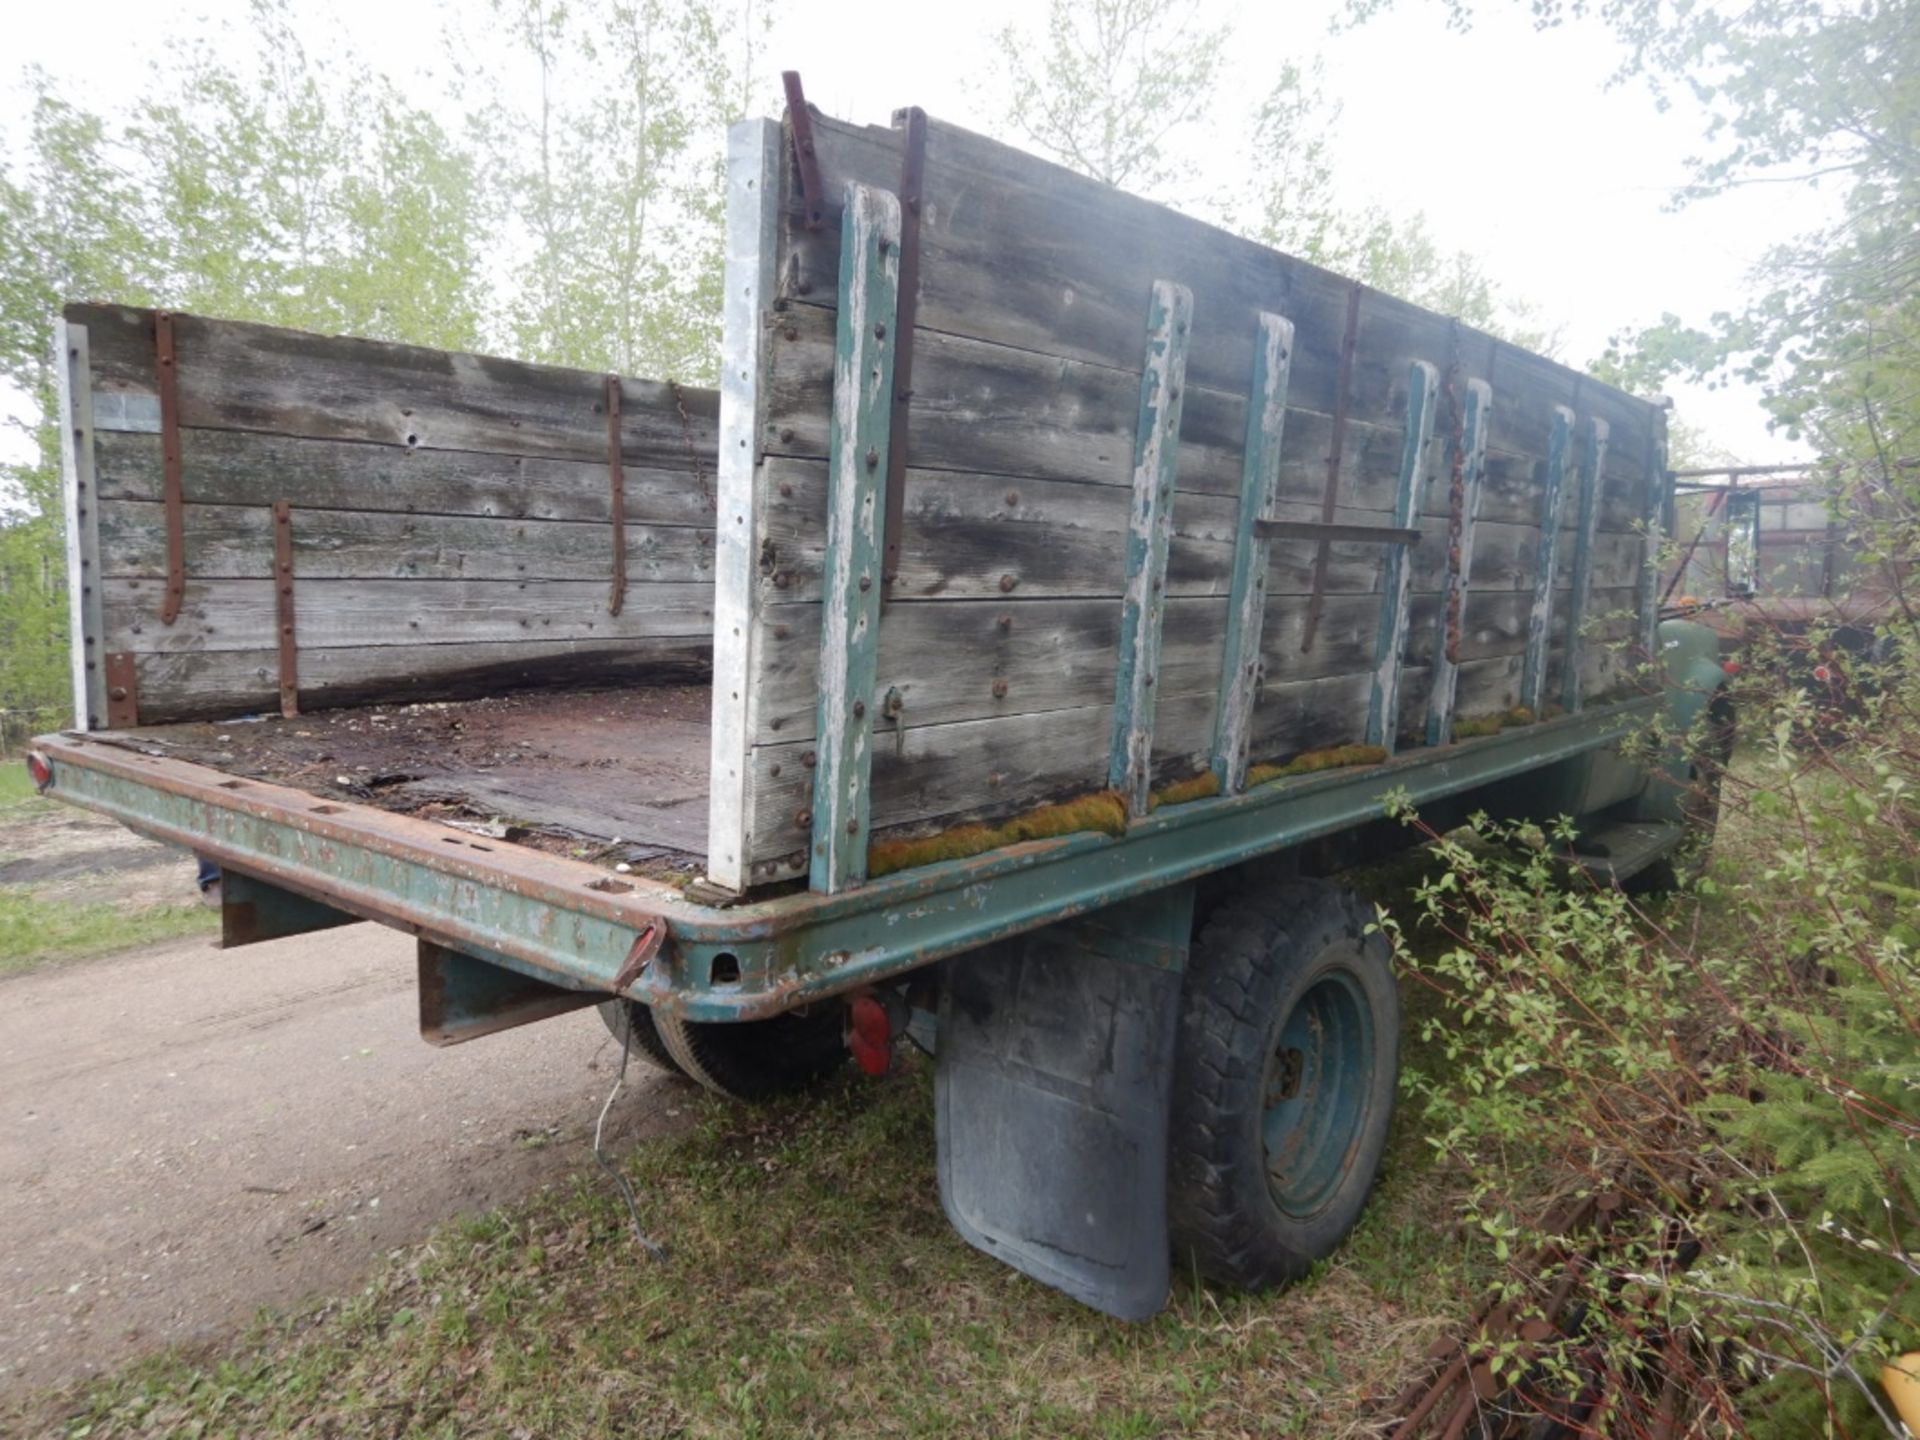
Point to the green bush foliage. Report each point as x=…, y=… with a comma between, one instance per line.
x=1742, y=1060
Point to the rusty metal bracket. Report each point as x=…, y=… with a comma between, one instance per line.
x=805, y=159
x=173, y=490
x=616, y=498
x=646, y=946
x=913, y=174
x=123, y=691
x=1329, y=498
x=283, y=601
x=1328, y=533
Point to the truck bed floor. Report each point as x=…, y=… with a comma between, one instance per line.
x=610, y=775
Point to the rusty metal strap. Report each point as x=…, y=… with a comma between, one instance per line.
x=805, y=158
x=283, y=604
x=1329, y=498
x=616, y=498
x=173, y=491
x=123, y=690
x=913, y=171
x=1328, y=533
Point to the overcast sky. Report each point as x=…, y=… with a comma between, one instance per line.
x=1509, y=140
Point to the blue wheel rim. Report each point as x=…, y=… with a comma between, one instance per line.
x=1317, y=1092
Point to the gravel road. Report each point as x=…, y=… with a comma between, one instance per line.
x=188, y=1134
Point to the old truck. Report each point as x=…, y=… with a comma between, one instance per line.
x=1050, y=600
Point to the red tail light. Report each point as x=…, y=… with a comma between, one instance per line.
x=870, y=1035
x=1732, y=667
x=40, y=768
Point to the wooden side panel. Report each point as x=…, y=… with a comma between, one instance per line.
x=1010, y=669
x=450, y=517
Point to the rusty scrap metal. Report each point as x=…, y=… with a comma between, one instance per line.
x=173, y=490
x=1460, y=1392
x=913, y=174
x=289, y=645
x=617, y=498
x=1330, y=496
x=123, y=690
x=806, y=159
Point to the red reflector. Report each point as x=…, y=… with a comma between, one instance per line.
x=39, y=768
x=1732, y=667
x=870, y=1035
x=1822, y=674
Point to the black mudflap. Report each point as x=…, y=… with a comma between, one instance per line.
x=1051, y=1091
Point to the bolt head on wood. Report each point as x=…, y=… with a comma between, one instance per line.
x=804, y=820
x=859, y=709
x=873, y=458
x=809, y=759
x=1007, y=582
x=1000, y=689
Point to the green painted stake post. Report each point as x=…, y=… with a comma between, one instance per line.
x=1246, y=606
x=1453, y=599
x=1571, y=697
x=1383, y=702
x=1533, y=683
x=1156, y=453
x=850, y=598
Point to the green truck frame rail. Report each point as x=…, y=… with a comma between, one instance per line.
x=578, y=927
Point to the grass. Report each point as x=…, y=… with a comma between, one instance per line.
x=814, y=1288
x=34, y=932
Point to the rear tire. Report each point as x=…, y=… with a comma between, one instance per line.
x=1284, y=1080
x=631, y=1022
x=757, y=1059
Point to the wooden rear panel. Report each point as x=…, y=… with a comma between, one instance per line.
x=450, y=519
x=999, y=639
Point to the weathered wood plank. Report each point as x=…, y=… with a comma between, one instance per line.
x=1085, y=251
x=1156, y=460
x=1383, y=695
x=1546, y=566
x=857, y=466
x=982, y=536
x=225, y=467
x=237, y=376
x=1469, y=464
x=239, y=614
x=1247, y=600
x=948, y=662
x=236, y=542
x=941, y=775
x=197, y=684
x=1593, y=468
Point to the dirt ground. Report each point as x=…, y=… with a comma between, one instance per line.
x=71, y=855
x=187, y=1135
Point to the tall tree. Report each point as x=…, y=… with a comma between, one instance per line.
x=275, y=185
x=1291, y=202
x=611, y=178
x=1107, y=85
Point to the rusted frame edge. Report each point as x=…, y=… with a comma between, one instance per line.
x=285, y=635
x=913, y=171
x=173, y=488
x=1336, y=450
x=806, y=157
x=532, y=874
x=616, y=498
